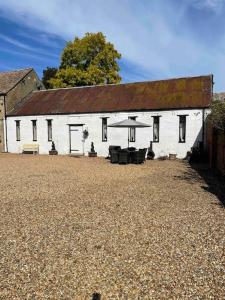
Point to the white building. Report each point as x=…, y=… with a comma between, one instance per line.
x=175, y=109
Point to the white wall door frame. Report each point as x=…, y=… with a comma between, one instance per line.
x=76, y=138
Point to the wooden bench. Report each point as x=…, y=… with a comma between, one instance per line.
x=30, y=148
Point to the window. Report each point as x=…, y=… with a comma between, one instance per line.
x=18, y=130
x=34, y=127
x=104, y=129
x=156, y=129
x=182, y=129
x=49, y=124
x=132, y=131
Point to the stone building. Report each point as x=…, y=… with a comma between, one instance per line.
x=14, y=87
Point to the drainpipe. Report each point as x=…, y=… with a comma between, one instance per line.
x=203, y=128
x=5, y=123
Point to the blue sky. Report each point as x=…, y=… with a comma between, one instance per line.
x=158, y=39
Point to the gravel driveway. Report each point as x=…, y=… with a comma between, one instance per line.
x=72, y=227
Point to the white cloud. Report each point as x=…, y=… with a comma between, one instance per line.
x=35, y=57
x=41, y=38
x=215, y=5
x=14, y=42
x=150, y=34
x=24, y=46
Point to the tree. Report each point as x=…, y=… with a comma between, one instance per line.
x=89, y=60
x=48, y=74
x=217, y=116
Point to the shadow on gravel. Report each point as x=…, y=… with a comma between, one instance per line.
x=215, y=183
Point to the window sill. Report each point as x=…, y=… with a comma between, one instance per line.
x=155, y=142
x=104, y=141
x=180, y=142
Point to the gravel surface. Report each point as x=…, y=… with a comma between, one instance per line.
x=71, y=227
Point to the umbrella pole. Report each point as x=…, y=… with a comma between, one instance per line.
x=128, y=138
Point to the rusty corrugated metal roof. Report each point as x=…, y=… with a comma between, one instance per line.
x=190, y=92
x=9, y=79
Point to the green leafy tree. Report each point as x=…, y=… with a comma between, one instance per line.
x=48, y=74
x=217, y=116
x=89, y=60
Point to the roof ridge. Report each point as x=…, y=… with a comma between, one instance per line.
x=124, y=83
x=17, y=70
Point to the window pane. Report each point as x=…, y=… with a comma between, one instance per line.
x=155, y=129
x=18, y=130
x=34, y=124
x=132, y=131
x=132, y=135
x=49, y=130
x=182, y=129
x=104, y=129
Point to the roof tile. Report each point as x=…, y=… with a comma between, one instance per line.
x=9, y=79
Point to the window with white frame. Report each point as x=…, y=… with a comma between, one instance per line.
x=34, y=129
x=49, y=125
x=104, y=129
x=17, y=130
x=156, y=129
x=182, y=129
x=132, y=131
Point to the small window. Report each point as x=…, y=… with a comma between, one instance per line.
x=18, y=130
x=156, y=129
x=104, y=129
x=49, y=124
x=34, y=127
x=132, y=131
x=182, y=129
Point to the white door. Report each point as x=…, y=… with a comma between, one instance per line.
x=76, y=139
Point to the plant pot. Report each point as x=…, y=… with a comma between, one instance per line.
x=172, y=156
x=92, y=154
x=53, y=152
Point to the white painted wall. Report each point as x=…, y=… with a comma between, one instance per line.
x=168, y=140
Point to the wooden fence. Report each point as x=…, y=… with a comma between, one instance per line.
x=216, y=148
